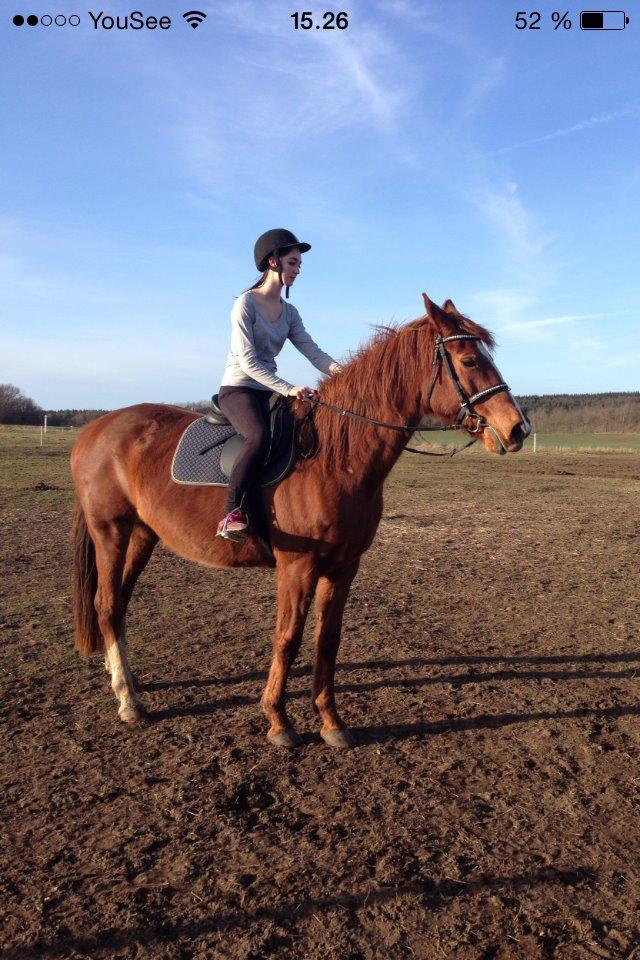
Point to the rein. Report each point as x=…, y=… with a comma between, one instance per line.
x=465, y=410
x=401, y=428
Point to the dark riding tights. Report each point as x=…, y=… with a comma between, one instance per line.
x=248, y=411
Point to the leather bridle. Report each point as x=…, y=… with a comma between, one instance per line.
x=441, y=357
x=466, y=412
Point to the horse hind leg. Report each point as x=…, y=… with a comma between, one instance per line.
x=141, y=545
x=111, y=540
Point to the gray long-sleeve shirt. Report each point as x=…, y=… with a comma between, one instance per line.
x=256, y=341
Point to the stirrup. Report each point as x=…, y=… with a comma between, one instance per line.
x=238, y=536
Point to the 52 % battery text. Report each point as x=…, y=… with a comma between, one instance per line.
x=532, y=20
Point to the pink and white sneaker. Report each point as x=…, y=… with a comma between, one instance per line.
x=233, y=526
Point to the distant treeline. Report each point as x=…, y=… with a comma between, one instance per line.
x=584, y=412
x=72, y=418
x=550, y=413
x=16, y=408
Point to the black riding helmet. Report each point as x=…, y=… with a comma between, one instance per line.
x=274, y=243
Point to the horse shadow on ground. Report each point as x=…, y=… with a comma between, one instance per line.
x=303, y=671
x=405, y=731
x=435, y=894
x=454, y=680
x=366, y=736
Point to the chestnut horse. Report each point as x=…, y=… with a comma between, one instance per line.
x=322, y=517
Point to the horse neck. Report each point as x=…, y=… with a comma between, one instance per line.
x=362, y=453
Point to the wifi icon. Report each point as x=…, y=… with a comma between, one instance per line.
x=194, y=18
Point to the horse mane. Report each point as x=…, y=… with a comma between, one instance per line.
x=466, y=325
x=376, y=380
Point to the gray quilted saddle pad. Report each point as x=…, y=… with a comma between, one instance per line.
x=206, y=453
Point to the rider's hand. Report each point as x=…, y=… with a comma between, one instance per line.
x=301, y=393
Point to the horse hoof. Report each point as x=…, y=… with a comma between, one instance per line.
x=342, y=739
x=288, y=738
x=133, y=714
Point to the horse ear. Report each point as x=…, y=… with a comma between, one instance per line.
x=449, y=307
x=430, y=307
x=434, y=313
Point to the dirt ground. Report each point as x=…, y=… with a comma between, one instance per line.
x=490, y=668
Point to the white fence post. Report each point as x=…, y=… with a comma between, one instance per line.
x=535, y=438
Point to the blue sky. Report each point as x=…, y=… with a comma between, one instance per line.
x=430, y=146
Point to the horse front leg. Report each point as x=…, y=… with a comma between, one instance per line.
x=331, y=597
x=296, y=585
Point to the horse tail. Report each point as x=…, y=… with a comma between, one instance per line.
x=85, y=584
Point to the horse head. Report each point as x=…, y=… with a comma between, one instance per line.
x=463, y=385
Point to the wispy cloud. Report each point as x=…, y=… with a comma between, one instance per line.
x=245, y=122
x=47, y=287
x=333, y=81
x=480, y=72
x=357, y=64
x=509, y=312
x=432, y=20
x=627, y=111
x=630, y=358
x=526, y=327
x=500, y=306
x=504, y=209
x=487, y=80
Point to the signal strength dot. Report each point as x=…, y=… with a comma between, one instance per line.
x=194, y=18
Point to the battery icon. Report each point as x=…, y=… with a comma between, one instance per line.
x=603, y=20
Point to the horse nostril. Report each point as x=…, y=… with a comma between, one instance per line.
x=518, y=434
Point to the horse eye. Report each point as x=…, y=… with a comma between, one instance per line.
x=468, y=362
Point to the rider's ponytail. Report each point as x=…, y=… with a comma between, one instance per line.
x=258, y=282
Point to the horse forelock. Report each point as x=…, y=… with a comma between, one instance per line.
x=465, y=325
x=469, y=326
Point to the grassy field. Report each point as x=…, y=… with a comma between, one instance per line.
x=595, y=442
x=24, y=463
x=599, y=442
x=59, y=439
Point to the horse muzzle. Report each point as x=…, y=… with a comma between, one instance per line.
x=493, y=440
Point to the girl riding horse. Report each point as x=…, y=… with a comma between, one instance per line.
x=261, y=321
